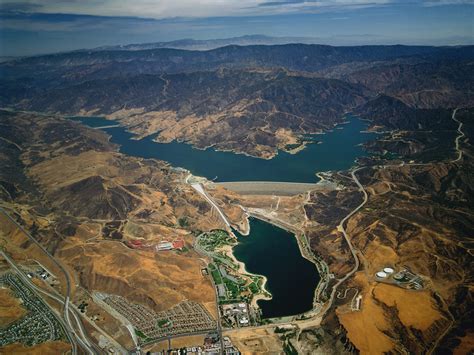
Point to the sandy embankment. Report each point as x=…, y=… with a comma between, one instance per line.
x=228, y=250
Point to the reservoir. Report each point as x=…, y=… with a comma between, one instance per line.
x=337, y=151
x=291, y=279
x=268, y=250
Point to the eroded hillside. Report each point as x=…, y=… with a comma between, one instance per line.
x=88, y=204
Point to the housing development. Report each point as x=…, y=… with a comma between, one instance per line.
x=308, y=193
x=39, y=324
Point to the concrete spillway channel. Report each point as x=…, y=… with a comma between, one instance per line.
x=200, y=190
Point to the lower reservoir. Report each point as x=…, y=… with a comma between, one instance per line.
x=268, y=250
x=274, y=253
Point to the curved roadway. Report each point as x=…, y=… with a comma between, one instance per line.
x=70, y=328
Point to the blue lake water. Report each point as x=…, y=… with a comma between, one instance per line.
x=338, y=151
x=267, y=250
x=291, y=279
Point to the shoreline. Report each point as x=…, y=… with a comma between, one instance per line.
x=229, y=251
x=297, y=232
x=272, y=155
x=321, y=267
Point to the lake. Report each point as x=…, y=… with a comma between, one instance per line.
x=337, y=151
x=268, y=250
x=291, y=279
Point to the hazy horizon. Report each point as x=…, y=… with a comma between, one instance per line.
x=32, y=27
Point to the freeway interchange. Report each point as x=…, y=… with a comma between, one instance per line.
x=76, y=338
x=69, y=323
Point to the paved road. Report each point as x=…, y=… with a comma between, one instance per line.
x=33, y=288
x=461, y=134
x=353, y=251
x=74, y=311
x=277, y=188
x=460, y=152
x=341, y=228
x=159, y=340
x=202, y=252
x=66, y=301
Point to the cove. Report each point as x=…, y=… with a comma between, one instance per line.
x=337, y=151
x=274, y=253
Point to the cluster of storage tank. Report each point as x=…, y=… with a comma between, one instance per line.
x=383, y=274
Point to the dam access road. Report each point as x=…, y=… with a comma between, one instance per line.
x=316, y=314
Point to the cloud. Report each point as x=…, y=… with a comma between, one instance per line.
x=159, y=9
x=15, y=7
x=447, y=2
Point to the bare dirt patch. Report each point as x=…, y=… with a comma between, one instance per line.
x=10, y=307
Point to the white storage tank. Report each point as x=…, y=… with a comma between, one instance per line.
x=381, y=275
x=388, y=270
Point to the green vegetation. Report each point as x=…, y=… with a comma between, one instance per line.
x=282, y=330
x=289, y=349
x=163, y=323
x=183, y=222
x=215, y=239
x=183, y=250
x=254, y=288
x=232, y=288
x=140, y=334
x=216, y=275
x=82, y=306
x=235, y=285
x=287, y=334
x=221, y=255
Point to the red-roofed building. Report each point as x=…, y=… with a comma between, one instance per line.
x=135, y=244
x=178, y=244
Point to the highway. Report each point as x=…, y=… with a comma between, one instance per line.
x=73, y=310
x=86, y=344
x=33, y=288
x=70, y=328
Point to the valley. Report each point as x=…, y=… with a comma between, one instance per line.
x=149, y=210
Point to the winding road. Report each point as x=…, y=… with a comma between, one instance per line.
x=341, y=228
x=461, y=135
x=34, y=289
x=353, y=251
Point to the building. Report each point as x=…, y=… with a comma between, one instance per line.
x=178, y=244
x=135, y=244
x=243, y=321
x=164, y=246
x=237, y=314
x=221, y=290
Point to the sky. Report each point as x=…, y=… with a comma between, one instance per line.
x=29, y=27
